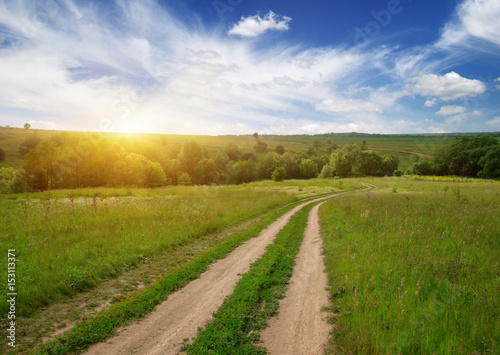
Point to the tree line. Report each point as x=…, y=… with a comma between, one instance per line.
x=72, y=161
x=477, y=157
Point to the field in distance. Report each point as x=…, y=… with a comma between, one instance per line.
x=405, y=147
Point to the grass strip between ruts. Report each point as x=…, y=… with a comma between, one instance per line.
x=255, y=298
x=104, y=325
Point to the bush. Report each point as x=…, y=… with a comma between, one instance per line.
x=184, y=179
x=308, y=169
x=2, y=154
x=326, y=172
x=279, y=174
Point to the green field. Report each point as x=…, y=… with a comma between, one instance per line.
x=161, y=145
x=414, y=266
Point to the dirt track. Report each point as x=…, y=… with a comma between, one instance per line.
x=178, y=318
x=301, y=327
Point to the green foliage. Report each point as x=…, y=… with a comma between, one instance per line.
x=260, y=147
x=308, y=169
x=7, y=173
x=232, y=151
x=407, y=278
x=474, y=157
x=279, y=174
x=184, y=179
x=341, y=166
x=326, y=172
x=155, y=175
x=490, y=163
x=255, y=297
x=29, y=143
x=356, y=159
x=280, y=149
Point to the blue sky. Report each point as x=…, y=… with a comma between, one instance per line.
x=241, y=66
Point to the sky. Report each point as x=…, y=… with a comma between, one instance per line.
x=218, y=67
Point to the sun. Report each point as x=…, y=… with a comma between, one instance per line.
x=130, y=127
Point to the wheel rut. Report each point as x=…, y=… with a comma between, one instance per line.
x=178, y=318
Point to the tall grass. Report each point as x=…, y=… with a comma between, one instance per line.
x=65, y=246
x=415, y=272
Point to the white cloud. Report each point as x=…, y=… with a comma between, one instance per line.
x=253, y=26
x=475, y=19
x=347, y=106
x=494, y=123
x=497, y=86
x=448, y=87
x=451, y=110
x=430, y=103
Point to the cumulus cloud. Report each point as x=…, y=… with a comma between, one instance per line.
x=494, y=123
x=451, y=110
x=253, y=26
x=448, y=87
x=430, y=103
x=347, y=106
x=475, y=19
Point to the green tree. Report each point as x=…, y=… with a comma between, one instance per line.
x=241, y=172
x=136, y=170
x=490, y=163
x=39, y=165
x=29, y=143
x=7, y=173
x=27, y=125
x=233, y=152
x=423, y=167
x=308, y=169
x=184, y=179
x=326, y=172
x=191, y=154
x=280, y=149
x=369, y=163
x=205, y=172
x=389, y=165
x=279, y=174
x=260, y=147
x=155, y=176
x=341, y=166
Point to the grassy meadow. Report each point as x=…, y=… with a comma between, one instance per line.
x=414, y=267
x=67, y=245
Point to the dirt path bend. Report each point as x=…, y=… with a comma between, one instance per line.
x=300, y=326
x=178, y=318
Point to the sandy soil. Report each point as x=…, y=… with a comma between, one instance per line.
x=301, y=327
x=178, y=318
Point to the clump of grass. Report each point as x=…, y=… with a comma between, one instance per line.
x=255, y=297
x=68, y=245
x=418, y=274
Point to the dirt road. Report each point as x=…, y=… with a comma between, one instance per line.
x=301, y=327
x=178, y=318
